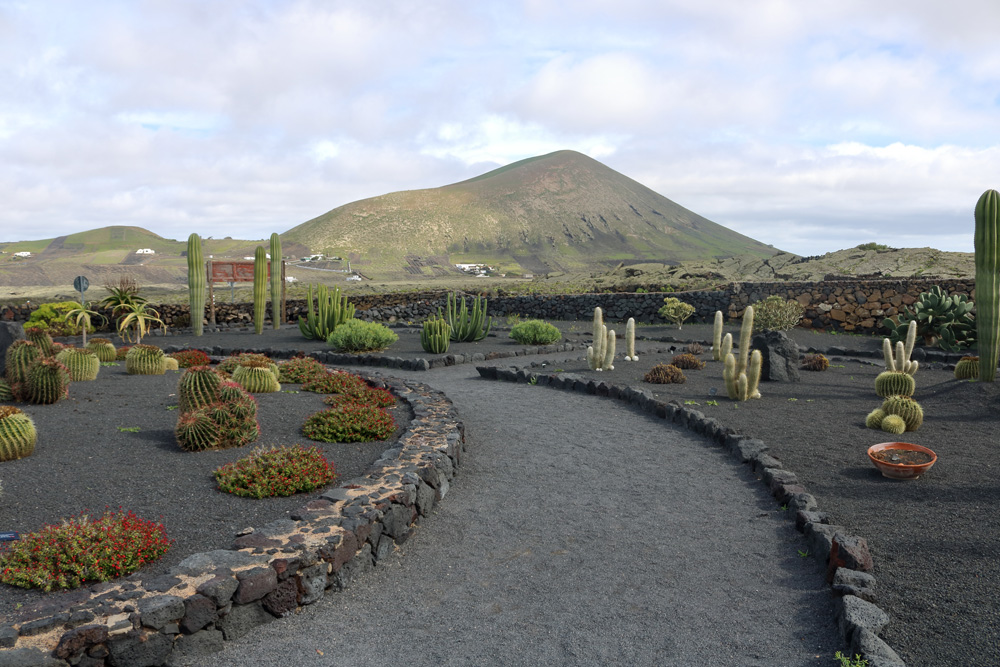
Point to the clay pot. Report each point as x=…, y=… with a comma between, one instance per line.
x=895, y=470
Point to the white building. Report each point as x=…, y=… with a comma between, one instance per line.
x=23, y=253
x=145, y=251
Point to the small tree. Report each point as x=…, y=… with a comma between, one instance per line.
x=675, y=311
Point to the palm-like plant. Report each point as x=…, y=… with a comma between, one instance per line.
x=138, y=318
x=122, y=296
x=82, y=315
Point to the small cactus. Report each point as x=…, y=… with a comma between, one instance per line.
x=20, y=355
x=688, y=361
x=170, y=364
x=435, y=336
x=967, y=368
x=874, y=418
x=717, y=354
x=905, y=407
x=665, y=374
x=894, y=383
x=197, y=388
x=258, y=380
x=83, y=365
x=17, y=434
x=900, y=361
x=196, y=431
x=42, y=339
x=47, y=381
x=103, y=348
x=229, y=421
x=144, y=360
x=893, y=424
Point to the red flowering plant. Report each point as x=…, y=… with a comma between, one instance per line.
x=276, y=471
x=83, y=549
x=347, y=387
x=189, y=358
x=349, y=422
x=300, y=369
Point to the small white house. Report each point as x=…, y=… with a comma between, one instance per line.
x=291, y=279
x=145, y=251
x=23, y=253
x=358, y=278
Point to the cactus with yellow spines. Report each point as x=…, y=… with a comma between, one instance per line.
x=103, y=348
x=967, y=368
x=275, y=281
x=47, y=381
x=20, y=355
x=17, y=434
x=83, y=365
x=144, y=359
x=894, y=383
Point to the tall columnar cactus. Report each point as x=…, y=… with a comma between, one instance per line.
x=103, y=348
x=901, y=360
x=467, y=325
x=196, y=284
x=144, y=360
x=332, y=310
x=630, y=354
x=259, y=288
x=47, y=382
x=745, y=330
x=435, y=337
x=742, y=385
x=988, y=283
x=601, y=355
x=717, y=354
x=275, y=281
x=198, y=387
x=82, y=364
x=17, y=434
x=20, y=355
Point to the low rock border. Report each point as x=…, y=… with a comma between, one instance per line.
x=268, y=573
x=848, y=560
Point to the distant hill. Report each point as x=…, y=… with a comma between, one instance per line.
x=557, y=212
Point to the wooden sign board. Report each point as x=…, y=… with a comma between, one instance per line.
x=232, y=272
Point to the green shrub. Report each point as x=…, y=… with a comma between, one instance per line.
x=665, y=374
x=276, y=471
x=349, y=422
x=535, y=332
x=878, y=247
x=675, y=311
x=360, y=336
x=688, y=361
x=52, y=317
x=776, y=314
x=300, y=369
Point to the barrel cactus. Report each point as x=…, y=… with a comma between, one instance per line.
x=894, y=383
x=6, y=392
x=170, y=364
x=196, y=431
x=47, y=382
x=17, y=434
x=229, y=421
x=103, y=348
x=967, y=368
x=42, y=339
x=20, y=355
x=905, y=407
x=874, y=418
x=258, y=380
x=144, y=360
x=894, y=424
x=198, y=387
x=83, y=365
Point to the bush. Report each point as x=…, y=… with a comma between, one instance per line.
x=776, y=314
x=300, y=369
x=694, y=348
x=665, y=374
x=349, y=422
x=276, y=471
x=815, y=362
x=52, y=317
x=189, y=358
x=81, y=550
x=361, y=336
x=229, y=364
x=364, y=395
x=334, y=382
x=535, y=332
x=675, y=311
x=687, y=361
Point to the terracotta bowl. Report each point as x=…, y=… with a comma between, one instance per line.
x=901, y=470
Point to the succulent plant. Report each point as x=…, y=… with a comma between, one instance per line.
x=198, y=387
x=467, y=325
x=815, y=362
x=941, y=319
x=196, y=284
x=47, y=382
x=17, y=434
x=196, y=431
x=42, y=339
x=665, y=374
x=332, y=310
x=103, y=348
x=276, y=281
x=987, y=237
x=675, y=311
x=694, y=348
x=900, y=361
x=20, y=355
x=907, y=408
x=435, y=336
x=630, y=354
x=874, y=418
x=6, y=392
x=259, y=289
x=229, y=421
x=717, y=354
x=601, y=355
x=300, y=369
x=170, y=364
x=894, y=383
x=893, y=424
x=688, y=361
x=967, y=368
x=742, y=386
x=144, y=360
x=82, y=364
x=257, y=380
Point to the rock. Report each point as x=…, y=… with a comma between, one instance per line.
x=9, y=332
x=780, y=356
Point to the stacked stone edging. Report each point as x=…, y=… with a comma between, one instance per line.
x=268, y=573
x=847, y=556
x=843, y=305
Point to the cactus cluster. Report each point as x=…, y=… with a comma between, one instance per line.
x=601, y=355
x=275, y=281
x=198, y=387
x=435, y=336
x=229, y=420
x=687, y=360
x=259, y=289
x=900, y=361
x=940, y=319
x=196, y=284
x=17, y=434
x=987, y=237
x=467, y=325
x=742, y=376
x=332, y=310
x=103, y=348
x=906, y=408
x=144, y=360
x=815, y=362
x=83, y=365
x=630, y=354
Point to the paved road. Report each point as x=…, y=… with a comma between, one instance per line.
x=578, y=532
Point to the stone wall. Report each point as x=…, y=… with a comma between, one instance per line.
x=843, y=305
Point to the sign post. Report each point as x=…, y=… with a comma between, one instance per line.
x=80, y=284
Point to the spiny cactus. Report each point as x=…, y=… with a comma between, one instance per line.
x=746, y=329
x=82, y=364
x=987, y=238
x=742, y=386
x=47, y=381
x=435, y=336
x=170, y=364
x=198, y=387
x=874, y=418
x=905, y=407
x=42, y=339
x=196, y=431
x=665, y=374
x=6, y=392
x=332, y=310
x=630, y=354
x=686, y=360
x=893, y=424
x=901, y=360
x=17, y=434
x=275, y=281
x=103, y=348
x=967, y=368
x=229, y=421
x=144, y=360
x=894, y=383
x=727, y=346
x=20, y=355
x=717, y=354
x=815, y=362
x=467, y=325
x=259, y=289
x=196, y=284
x=601, y=355
x=258, y=380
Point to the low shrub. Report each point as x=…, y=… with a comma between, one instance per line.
x=300, y=369
x=688, y=361
x=364, y=395
x=81, y=550
x=360, y=336
x=776, y=314
x=334, y=382
x=815, y=362
x=694, y=348
x=189, y=358
x=52, y=317
x=122, y=352
x=665, y=374
x=349, y=422
x=535, y=332
x=276, y=471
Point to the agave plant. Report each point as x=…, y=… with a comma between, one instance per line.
x=138, y=320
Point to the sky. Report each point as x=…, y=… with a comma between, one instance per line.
x=812, y=126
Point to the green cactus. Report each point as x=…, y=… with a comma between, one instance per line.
x=103, y=348
x=941, y=319
x=894, y=383
x=170, y=364
x=42, y=339
x=6, y=392
x=47, y=381
x=630, y=354
x=17, y=434
x=229, y=421
x=874, y=419
x=905, y=407
x=901, y=360
x=967, y=368
x=467, y=325
x=20, y=355
x=258, y=380
x=601, y=354
x=717, y=354
x=893, y=424
x=987, y=238
x=742, y=386
x=332, y=310
x=197, y=388
x=259, y=289
x=196, y=431
x=82, y=364
x=196, y=284
x=144, y=360
x=435, y=336
x=746, y=329
x=275, y=281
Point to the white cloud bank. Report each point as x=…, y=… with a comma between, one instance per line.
x=810, y=126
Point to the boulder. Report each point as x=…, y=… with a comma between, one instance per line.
x=9, y=332
x=780, y=356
